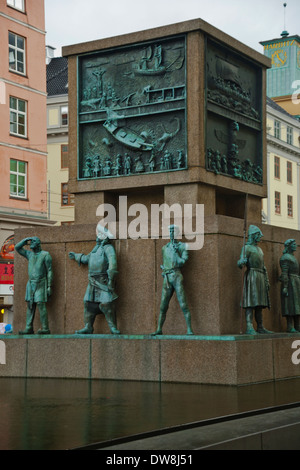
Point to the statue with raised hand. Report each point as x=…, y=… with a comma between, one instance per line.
x=39, y=284
x=100, y=294
x=290, y=286
x=174, y=257
x=256, y=283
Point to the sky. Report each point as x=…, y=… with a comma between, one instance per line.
x=250, y=21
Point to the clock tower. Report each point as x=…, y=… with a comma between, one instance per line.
x=283, y=78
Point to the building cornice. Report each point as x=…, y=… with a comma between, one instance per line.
x=26, y=149
x=283, y=146
x=24, y=87
x=22, y=23
x=25, y=219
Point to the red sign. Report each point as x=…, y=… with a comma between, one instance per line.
x=7, y=249
x=6, y=273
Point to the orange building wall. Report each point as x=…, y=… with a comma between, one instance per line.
x=31, y=88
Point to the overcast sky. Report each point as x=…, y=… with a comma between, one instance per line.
x=250, y=21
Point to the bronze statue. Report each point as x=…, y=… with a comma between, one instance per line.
x=290, y=287
x=100, y=294
x=256, y=283
x=174, y=257
x=39, y=285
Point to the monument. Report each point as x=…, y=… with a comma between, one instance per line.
x=39, y=284
x=174, y=257
x=100, y=294
x=290, y=286
x=173, y=117
x=256, y=282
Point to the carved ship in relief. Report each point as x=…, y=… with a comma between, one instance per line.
x=155, y=58
x=127, y=137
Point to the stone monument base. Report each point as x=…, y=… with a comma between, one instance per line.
x=222, y=360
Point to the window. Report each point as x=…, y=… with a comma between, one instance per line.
x=18, y=111
x=289, y=135
x=16, y=53
x=67, y=199
x=289, y=172
x=18, y=178
x=290, y=206
x=17, y=4
x=277, y=129
x=64, y=156
x=277, y=203
x=277, y=168
x=64, y=115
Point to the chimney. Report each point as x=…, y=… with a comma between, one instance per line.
x=49, y=54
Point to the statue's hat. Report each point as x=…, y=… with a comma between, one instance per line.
x=253, y=229
x=101, y=229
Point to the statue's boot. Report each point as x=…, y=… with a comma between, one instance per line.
x=187, y=316
x=89, y=320
x=249, y=323
x=290, y=325
x=29, y=323
x=259, y=320
x=109, y=318
x=161, y=321
x=44, y=322
x=27, y=331
x=297, y=323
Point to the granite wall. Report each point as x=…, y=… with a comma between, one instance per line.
x=212, y=280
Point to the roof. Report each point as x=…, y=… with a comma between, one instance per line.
x=281, y=39
x=276, y=106
x=57, y=76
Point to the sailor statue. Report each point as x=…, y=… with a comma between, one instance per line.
x=100, y=295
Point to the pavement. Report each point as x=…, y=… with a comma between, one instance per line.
x=278, y=430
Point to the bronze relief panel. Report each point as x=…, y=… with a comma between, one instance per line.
x=132, y=109
x=233, y=114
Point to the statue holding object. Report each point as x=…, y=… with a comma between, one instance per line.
x=174, y=257
x=256, y=283
x=100, y=293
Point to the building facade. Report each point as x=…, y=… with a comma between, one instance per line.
x=60, y=201
x=282, y=207
x=23, y=139
x=283, y=78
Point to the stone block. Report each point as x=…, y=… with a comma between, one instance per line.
x=58, y=357
x=125, y=359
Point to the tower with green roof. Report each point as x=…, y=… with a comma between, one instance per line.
x=283, y=78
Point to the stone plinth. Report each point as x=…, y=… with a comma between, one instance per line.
x=208, y=58
x=223, y=360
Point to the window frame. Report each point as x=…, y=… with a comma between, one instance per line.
x=62, y=114
x=65, y=193
x=277, y=203
x=64, y=157
x=15, y=49
x=276, y=167
x=13, y=5
x=277, y=129
x=18, y=174
x=18, y=113
x=289, y=135
x=289, y=172
x=290, y=209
